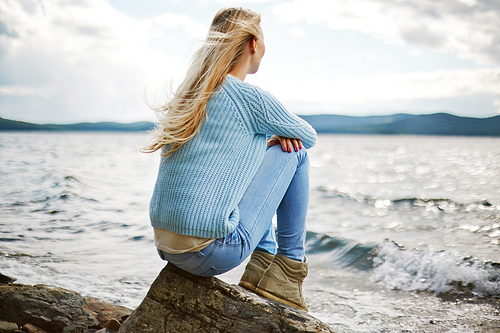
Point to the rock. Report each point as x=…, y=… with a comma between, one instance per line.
x=105, y=312
x=53, y=309
x=113, y=324
x=181, y=302
x=7, y=327
x=6, y=279
x=33, y=329
x=74, y=329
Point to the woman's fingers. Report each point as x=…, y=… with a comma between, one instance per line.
x=273, y=140
x=297, y=144
x=287, y=144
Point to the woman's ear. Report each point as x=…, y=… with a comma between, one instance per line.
x=253, y=45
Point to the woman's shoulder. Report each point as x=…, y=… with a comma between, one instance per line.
x=236, y=83
x=246, y=89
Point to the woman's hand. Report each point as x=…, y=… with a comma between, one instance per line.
x=286, y=143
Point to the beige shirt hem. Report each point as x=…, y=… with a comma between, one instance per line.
x=174, y=243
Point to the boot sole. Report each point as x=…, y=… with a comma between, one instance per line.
x=278, y=299
x=247, y=285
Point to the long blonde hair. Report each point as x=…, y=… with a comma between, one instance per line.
x=180, y=118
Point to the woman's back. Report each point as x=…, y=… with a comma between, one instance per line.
x=199, y=186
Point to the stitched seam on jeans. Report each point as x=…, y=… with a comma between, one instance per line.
x=274, y=185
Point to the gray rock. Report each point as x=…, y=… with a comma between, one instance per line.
x=53, y=308
x=6, y=279
x=7, y=327
x=181, y=302
x=73, y=328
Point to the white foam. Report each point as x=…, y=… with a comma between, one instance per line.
x=128, y=293
x=413, y=270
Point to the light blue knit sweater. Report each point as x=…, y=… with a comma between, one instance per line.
x=200, y=185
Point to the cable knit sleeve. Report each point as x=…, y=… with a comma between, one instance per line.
x=271, y=117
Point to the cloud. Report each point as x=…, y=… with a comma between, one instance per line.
x=496, y=103
x=468, y=29
x=422, y=36
x=296, y=32
x=83, y=60
x=4, y=30
x=367, y=94
x=172, y=21
x=64, y=61
x=24, y=90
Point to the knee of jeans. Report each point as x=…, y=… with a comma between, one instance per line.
x=302, y=157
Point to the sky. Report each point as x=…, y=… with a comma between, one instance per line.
x=67, y=61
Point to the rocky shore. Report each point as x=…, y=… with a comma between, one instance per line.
x=49, y=309
x=176, y=302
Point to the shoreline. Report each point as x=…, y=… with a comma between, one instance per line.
x=420, y=311
x=51, y=309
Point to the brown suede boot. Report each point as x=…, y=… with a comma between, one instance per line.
x=282, y=282
x=259, y=262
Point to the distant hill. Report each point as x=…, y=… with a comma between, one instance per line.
x=13, y=125
x=432, y=124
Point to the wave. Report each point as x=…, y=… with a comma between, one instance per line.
x=62, y=190
x=438, y=204
x=441, y=272
x=341, y=252
x=436, y=271
x=127, y=291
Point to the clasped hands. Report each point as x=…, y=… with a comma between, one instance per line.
x=286, y=143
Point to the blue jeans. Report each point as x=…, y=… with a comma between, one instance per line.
x=280, y=186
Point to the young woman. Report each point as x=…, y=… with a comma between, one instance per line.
x=218, y=187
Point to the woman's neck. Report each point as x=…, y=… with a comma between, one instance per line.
x=239, y=72
x=241, y=69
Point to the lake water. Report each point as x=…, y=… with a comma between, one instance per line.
x=403, y=231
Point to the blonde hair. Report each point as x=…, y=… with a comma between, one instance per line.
x=180, y=118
